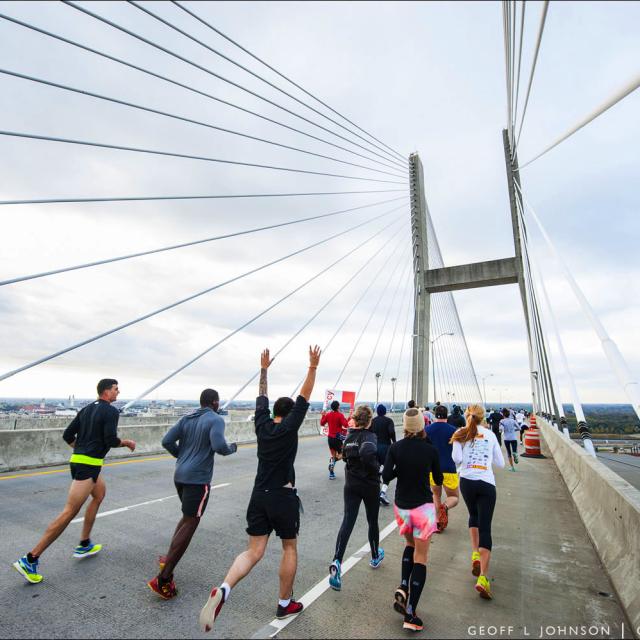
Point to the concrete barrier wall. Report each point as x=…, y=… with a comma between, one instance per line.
x=61, y=422
x=610, y=509
x=28, y=448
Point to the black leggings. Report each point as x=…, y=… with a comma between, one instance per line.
x=354, y=494
x=511, y=446
x=480, y=498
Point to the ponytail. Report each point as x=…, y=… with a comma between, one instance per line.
x=474, y=416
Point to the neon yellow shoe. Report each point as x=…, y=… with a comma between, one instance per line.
x=84, y=552
x=483, y=587
x=28, y=570
x=475, y=563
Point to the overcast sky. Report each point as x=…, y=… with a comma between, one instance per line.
x=425, y=77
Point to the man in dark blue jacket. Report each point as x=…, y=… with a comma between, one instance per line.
x=193, y=440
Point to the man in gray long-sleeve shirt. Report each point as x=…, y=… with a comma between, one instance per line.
x=193, y=440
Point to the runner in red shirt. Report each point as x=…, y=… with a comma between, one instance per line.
x=336, y=434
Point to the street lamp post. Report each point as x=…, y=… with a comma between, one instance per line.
x=378, y=375
x=433, y=359
x=393, y=392
x=484, y=390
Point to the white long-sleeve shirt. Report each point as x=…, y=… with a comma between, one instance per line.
x=475, y=458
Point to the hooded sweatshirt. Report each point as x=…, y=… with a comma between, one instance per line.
x=383, y=427
x=194, y=440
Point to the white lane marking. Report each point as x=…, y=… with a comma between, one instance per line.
x=142, y=504
x=275, y=626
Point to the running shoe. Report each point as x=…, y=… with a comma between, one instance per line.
x=28, y=570
x=211, y=609
x=332, y=476
x=475, y=563
x=483, y=587
x=400, y=598
x=90, y=550
x=335, y=575
x=515, y=458
x=384, y=501
x=374, y=563
x=166, y=590
x=443, y=517
x=291, y=609
x=412, y=622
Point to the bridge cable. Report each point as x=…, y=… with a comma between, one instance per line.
x=406, y=336
x=153, y=74
x=214, y=74
x=366, y=325
x=384, y=266
x=515, y=115
x=192, y=243
x=172, y=154
x=339, y=291
x=285, y=77
x=382, y=328
x=251, y=321
x=188, y=298
x=255, y=75
x=201, y=197
x=543, y=18
x=623, y=92
x=613, y=354
x=174, y=116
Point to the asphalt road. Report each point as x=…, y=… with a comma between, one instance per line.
x=544, y=570
x=628, y=467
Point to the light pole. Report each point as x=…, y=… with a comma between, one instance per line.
x=378, y=375
x=484, y=390
x=433, y=359
x=393, y=392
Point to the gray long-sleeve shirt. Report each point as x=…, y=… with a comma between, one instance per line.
x=194, y=440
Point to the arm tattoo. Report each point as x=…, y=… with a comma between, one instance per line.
x=262, y=391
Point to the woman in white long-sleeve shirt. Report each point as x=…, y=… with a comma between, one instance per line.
x=475, y=451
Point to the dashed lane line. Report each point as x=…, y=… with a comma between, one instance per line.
x=272, y=629
x=142, y=504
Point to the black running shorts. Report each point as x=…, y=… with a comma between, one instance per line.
x=194, y=498
x=85, y=471
x=274, y=509
x=335, y=444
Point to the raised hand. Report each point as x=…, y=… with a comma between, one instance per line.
x=314, y=356
x=265, y=360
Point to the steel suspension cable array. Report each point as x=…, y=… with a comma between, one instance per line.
x=188, y=298
x=255, y=75
x=338, y=292
x=204, y=94
x=366, y=325
x=171, y=154
x=407, y=337
x=399, y=155
x=325, y=348
x=382, y=328
x=249, y=322
x=213, y=73
x=174, y=116
x=192, y=243
x=200, y=197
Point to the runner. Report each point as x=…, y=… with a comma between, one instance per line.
x=385, y=431
x=510, y=428
x=274, y=503
x=456, y=419
x=91, y=434
x=337, y=429
x=362, y=484
x=428, y=416
x=521, y=420
x=494, y=420
x=475, y=450
x=193, y=440
x=440, y=432
x=412, y=460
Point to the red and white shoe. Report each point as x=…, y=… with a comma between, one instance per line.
x=292, y=609
x=211, y=609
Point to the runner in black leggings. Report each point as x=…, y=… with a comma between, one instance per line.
x=362, y=484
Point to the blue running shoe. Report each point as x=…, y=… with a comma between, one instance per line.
x=28, y=570
x=374, y=563
x=335, y=575
x=90, y=550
